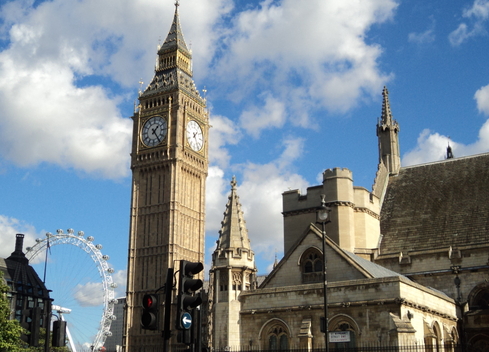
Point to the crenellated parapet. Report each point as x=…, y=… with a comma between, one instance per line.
x=354, y=212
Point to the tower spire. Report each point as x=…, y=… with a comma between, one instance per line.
x=233, y=233
x=173, y=68
x=175, y=38
x=386, y=108
x=387, y=132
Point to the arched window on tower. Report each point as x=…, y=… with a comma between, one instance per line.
x=312, y=266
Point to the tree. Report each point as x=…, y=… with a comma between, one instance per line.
x=10, y=330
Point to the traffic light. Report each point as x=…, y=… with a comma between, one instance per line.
x=59, y=333
x=149, y=317
x=187, y=299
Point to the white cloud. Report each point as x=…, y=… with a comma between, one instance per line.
x=120, y=278
x=432, y=147
x=482, y=99
x=53, y=110
x=90, y=294
x=480, y=9
x=223, y=132
x=9, y=227
x=274, y=46
x=255, y=119
x=425, y=37
x=260, y=187
x=477, y=14
x=261, y=199
x=215, y=200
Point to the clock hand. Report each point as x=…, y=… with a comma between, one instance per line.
x=154, y=132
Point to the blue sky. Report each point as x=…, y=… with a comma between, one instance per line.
x=293, y=88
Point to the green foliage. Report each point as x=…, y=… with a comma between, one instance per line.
x=42, y=347
x=10, y=330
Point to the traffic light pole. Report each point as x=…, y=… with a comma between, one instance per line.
x=168, y=298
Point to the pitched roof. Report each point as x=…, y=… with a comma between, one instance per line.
x=343, y=259
x=233, y=232
x=375, y=270
x=437, y=205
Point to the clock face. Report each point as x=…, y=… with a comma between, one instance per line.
x=154, y=131
x=194, y=135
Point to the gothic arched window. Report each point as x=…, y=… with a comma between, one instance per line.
x=312, y=266
x=344, y=325
x=278, y=339
x=479, y=297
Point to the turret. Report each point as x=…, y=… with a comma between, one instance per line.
x=233, y=270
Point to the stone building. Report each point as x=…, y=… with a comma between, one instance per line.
x=407, y=262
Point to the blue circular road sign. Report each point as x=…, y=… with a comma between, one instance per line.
x=186, y=320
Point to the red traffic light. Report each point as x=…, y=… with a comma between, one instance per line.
x=149, y=315
x=149, y=301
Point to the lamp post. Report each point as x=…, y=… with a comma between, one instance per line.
x=322, y=217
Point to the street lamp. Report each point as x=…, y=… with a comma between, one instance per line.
x=322, y=217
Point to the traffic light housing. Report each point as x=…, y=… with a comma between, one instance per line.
x=149, y=316
x=187, y=286
x=59, y=333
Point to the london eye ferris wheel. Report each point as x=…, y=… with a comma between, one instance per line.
x=80, y=278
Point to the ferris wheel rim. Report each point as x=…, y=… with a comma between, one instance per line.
x=100, y=260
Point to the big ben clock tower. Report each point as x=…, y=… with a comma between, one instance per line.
x=169, y=162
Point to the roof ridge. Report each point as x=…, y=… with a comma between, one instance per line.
x=445, y=160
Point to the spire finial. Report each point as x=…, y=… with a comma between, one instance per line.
x=140, y=87
x=386, y=107
x=449, y=150
x=177, y=3
x=234, y=183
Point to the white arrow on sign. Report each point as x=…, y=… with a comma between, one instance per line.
x=186, y=320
